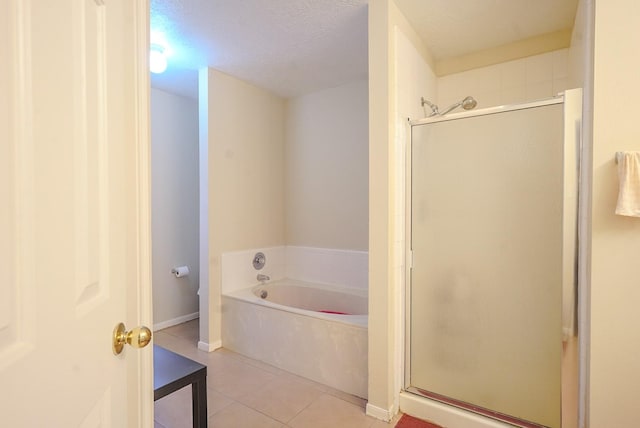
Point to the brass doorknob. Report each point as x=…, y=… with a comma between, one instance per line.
x=139, y=337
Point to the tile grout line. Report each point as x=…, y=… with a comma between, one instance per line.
x=305, y=408
x=324, y=390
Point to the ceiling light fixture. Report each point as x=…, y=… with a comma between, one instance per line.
x=157, y=59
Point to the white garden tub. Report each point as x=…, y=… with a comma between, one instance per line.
x=315, y=331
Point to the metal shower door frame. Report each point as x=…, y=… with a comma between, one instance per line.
x=559, y=99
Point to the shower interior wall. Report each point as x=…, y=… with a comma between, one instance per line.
x=528, y=79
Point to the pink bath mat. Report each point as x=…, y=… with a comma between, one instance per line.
x=407, y=421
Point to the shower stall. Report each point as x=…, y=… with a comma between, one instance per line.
x=491, y=244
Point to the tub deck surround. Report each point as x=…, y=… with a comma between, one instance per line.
x=324, y=347
x=330, y=348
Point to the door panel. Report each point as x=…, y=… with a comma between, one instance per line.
x=72, y=193
x=486, y=282
x=90, y=155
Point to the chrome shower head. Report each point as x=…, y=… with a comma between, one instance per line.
x=469, y=103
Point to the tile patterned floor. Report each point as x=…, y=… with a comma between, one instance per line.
x=245, y=393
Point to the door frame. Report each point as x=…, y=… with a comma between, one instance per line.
x=142, y=361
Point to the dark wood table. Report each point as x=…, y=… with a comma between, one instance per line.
x=172, y=372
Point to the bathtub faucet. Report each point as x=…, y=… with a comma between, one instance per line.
x=263, y=278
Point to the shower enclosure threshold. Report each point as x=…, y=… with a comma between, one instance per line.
x=501, y=417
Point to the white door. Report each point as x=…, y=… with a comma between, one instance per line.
x=74, y=243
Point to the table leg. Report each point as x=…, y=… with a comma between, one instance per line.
x=199, y=398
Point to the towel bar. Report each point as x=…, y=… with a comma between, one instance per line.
x=619, y=155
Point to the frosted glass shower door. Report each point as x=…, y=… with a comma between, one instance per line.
x=486, y=282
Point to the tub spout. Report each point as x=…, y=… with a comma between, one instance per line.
x=263, y=278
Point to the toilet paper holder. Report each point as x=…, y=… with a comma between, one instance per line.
x=180, y=271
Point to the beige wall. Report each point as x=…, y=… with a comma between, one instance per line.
x=326, y=168
x=531, y=46
x=245, y=134
x=399, y=74
x=174, y=186
x=414, y=79
x=615, y=271
x=381, y=304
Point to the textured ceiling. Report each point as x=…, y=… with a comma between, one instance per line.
x=290, y=47
x=293, y=47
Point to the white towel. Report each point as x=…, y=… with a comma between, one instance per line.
x=629, y=176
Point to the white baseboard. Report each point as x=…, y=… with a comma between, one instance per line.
x=380, y=413
x=175, y=321
x=209, y=347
